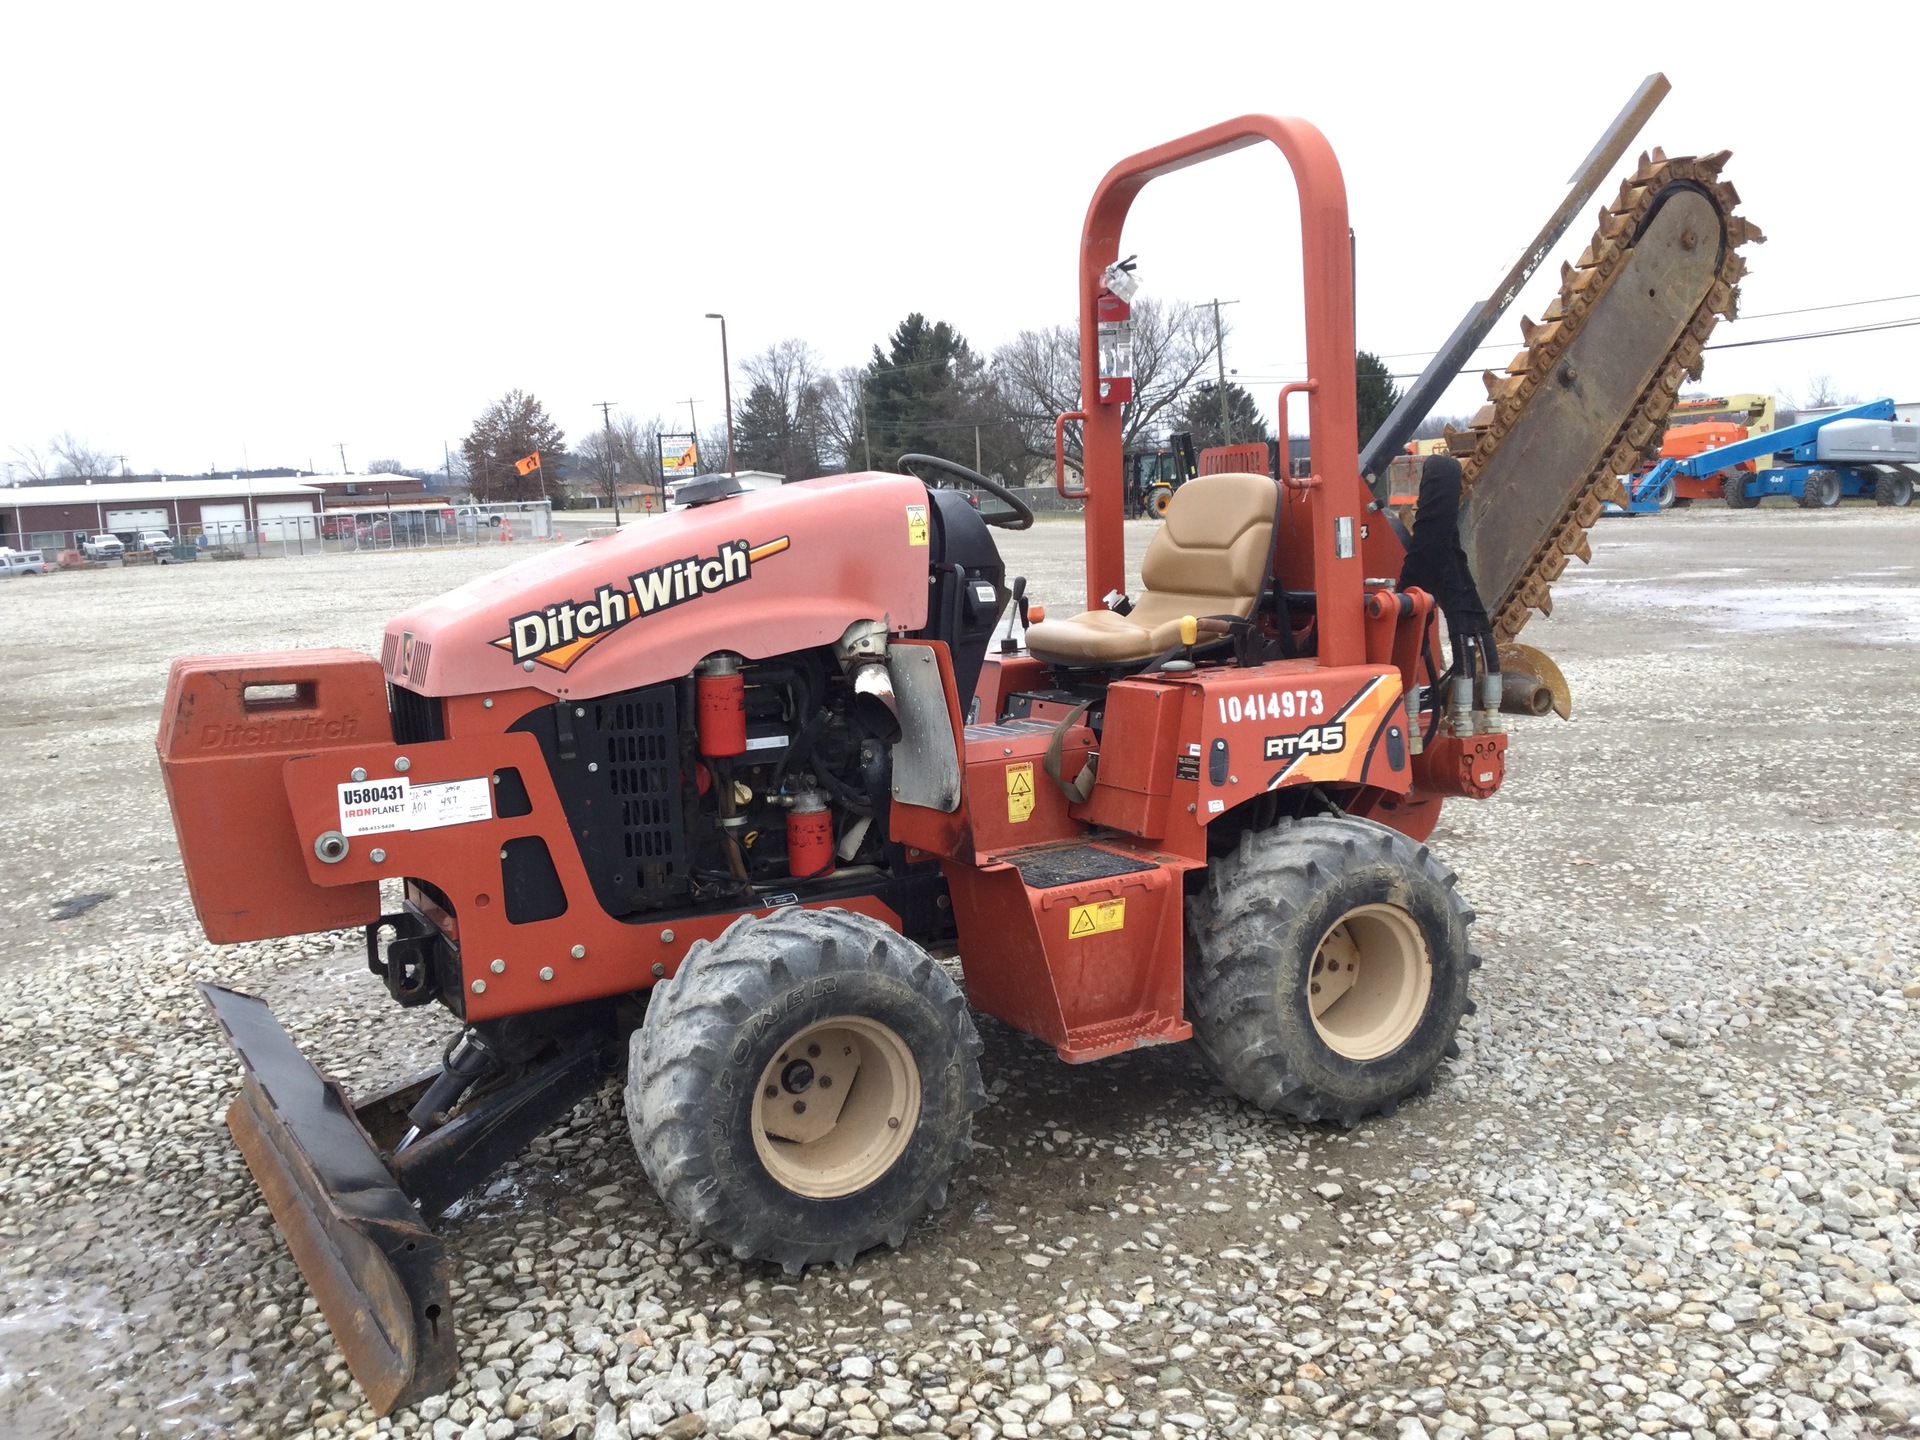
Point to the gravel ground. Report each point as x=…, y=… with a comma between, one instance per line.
x=1668, y=1188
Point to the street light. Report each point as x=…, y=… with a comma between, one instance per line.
x=726, y=380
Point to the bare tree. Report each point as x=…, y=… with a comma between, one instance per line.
x=1038, y=373
x=1821, y=392
x=30, y=460
x=65, y=458
x=782, y=423
x=1434, y=426
x=843, y=432
x=74, y=458
x=712, y=446
x=615, y=454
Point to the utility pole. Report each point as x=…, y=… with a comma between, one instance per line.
x=726, y=383
x=447, y=450
x=976, y=450
x=1220, y=359
x=342, y=447
x=866, y=436
x=123, y=463
x=613, y=475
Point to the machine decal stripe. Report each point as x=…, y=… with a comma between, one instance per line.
x=1301, y=756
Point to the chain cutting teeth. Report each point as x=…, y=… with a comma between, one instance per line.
x=1582, y=284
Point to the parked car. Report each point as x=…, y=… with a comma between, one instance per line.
x=156, y=543
x=102, y=547
x=22, y=562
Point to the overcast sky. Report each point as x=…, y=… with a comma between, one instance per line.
x=247, y=234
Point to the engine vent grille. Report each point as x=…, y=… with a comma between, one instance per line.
x=616, y=764
x=640, y=758
x=417, y=718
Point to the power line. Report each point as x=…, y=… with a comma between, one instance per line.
x=1818, y=334
x=1728, y=345
x=1722, y=345
x=1837, y=305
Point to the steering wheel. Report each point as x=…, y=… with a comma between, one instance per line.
x=1022, y=517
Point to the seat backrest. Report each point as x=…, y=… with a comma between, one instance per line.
x=1217, y=540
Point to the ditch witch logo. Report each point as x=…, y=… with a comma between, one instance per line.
x=561, y=634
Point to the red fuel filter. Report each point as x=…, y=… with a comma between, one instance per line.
x=809, y=836
x=721, y=700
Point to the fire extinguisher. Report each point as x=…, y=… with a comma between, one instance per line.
x=1113, y=309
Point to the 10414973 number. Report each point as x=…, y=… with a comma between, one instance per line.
x=1272, y=705
x=1314, y=740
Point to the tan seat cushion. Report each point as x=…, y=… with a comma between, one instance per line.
x=1210, y=557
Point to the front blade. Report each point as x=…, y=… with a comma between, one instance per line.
x=378, y=1273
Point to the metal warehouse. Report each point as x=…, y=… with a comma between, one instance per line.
x=42, y=517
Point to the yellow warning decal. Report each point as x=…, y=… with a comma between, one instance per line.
x=1096, y=919
x=916, y=524
x=1019, y=791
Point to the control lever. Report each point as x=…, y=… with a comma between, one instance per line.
x=1008, y=645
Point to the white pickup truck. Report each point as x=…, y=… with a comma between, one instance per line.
x=157, y=543
x=102, y=547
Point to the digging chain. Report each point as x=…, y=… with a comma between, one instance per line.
x=1582, y=286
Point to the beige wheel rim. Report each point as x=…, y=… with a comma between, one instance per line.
x=836, y=1106
x=1370, y=982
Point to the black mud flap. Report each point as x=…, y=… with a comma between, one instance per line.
x=378, y=1272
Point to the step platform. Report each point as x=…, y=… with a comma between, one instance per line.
x=1080, y=944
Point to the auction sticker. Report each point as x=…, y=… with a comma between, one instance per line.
x=374, y=807
x=451, y=802
x=380, y=807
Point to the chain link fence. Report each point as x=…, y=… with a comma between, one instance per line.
x=331, y=532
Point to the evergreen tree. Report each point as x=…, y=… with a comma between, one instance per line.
x=1375, y=393
x=760, y=430
x=1201, y=416
x=915, y=393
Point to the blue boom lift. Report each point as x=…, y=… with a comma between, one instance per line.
x=1864, y=450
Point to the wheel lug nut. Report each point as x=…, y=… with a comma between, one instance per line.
x=893, y=1122
x=772, y=1091
x=814, y=1051
x=799, y=1107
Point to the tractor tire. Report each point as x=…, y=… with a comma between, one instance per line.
x=1821, y=490
x=1892, y=490
x=1734, y=490
x=1158, y=500
x=1298, y=910
x=827, y=1005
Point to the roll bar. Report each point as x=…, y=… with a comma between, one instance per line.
x=1327, y=267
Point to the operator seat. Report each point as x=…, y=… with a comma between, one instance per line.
x=1210, y=557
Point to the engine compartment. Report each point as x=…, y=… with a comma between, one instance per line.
x=673, y=809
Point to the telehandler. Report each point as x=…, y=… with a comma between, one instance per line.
x=706, y=797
